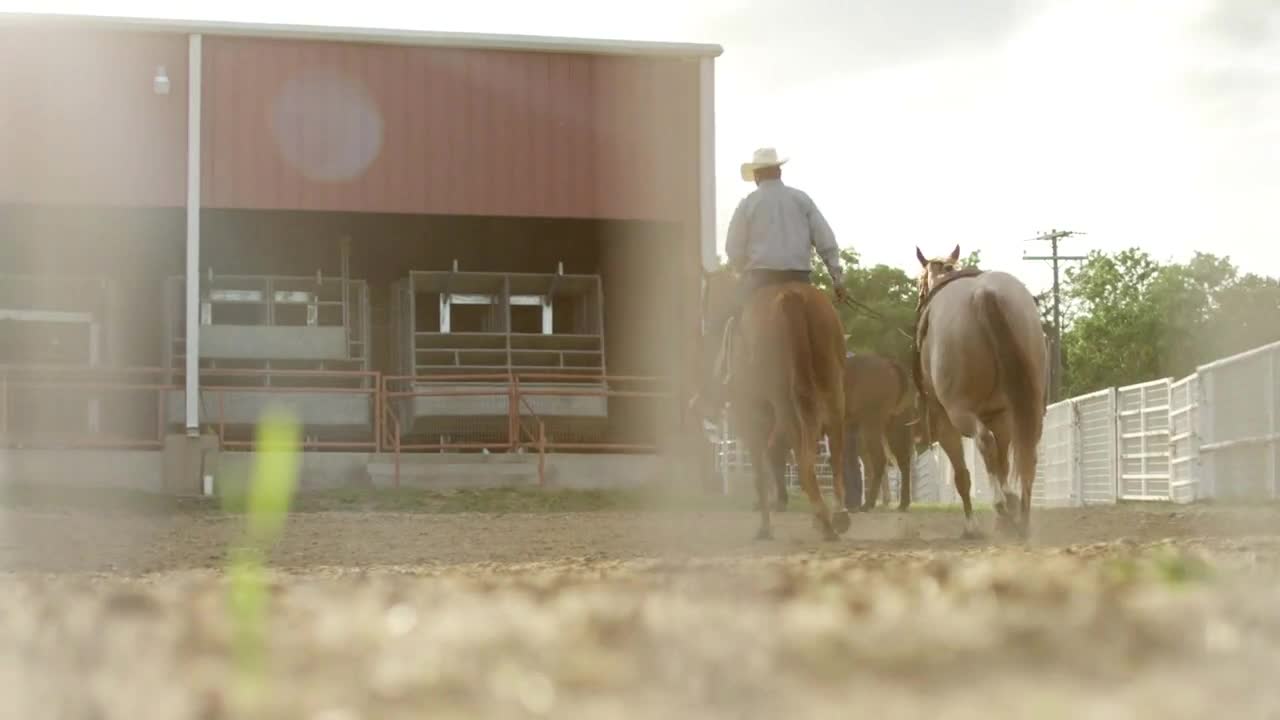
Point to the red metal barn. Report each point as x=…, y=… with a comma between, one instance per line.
x=418, y=241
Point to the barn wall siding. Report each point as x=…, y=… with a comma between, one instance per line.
x=297, y=125
x=81, y=125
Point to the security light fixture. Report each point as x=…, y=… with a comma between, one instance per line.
x=160, y=83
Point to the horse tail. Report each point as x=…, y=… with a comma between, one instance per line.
x=1013, y=371
x=802, y=369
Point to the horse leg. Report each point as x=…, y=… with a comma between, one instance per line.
x=853, y=479
x=778, y=463
x=1006, y=503
x=950, y=440
x=900, y=445
x=806, y=452
x=873, y=451
x=835, y=443
x=763, y=473
x=1025, y=462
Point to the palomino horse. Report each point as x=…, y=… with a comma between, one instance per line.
x=877, y=406
x=785, y=383
x=981, y=362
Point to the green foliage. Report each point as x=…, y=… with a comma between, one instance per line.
x=270, y=491
x=888, y=291
x=1130, y=318
x=1127, y=317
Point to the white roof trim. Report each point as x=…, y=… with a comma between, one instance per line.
x=477, y=41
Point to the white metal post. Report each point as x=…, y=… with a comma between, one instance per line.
x=707, y=161
x=95, y=350
x=194, y=88
x=1270, y=398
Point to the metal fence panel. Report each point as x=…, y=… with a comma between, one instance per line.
x=928, y=483
x=1238, y=409
x=1142, y=432
x=1184, y=440
x=1096, y=454
x=1215, y=433
x=1057, y=483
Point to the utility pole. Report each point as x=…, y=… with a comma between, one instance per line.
x=1053, y=236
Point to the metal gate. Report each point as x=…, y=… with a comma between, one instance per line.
x=1056, y=480
x=1184, y=439
x=1142, y=428
x=1239, y=418
x=1096, y=458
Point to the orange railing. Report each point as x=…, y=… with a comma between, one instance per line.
x=588, y=391
x=391, y=425
x=217, y=384
x=537, y=440
x=29, y=393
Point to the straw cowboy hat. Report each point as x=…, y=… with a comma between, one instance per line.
x=762, y=158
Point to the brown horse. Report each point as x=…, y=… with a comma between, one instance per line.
x=786, y=383
x=877, y=407
x=981, y=361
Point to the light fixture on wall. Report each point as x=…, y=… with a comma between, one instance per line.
x=160, y=83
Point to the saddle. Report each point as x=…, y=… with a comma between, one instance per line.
x=922, y=329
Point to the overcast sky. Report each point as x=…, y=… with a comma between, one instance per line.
x=1153, y=123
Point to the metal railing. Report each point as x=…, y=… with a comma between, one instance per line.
x=631, y=419
x=81, y=406
x=218, y=385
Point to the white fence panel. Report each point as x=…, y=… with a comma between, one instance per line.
x=929, y=481
x=1215, y=433
x=1238, y=410
x=1184, y=440
x=1057, y=481
x=1096, y=455
x=1056, y=484
x=1142, y=431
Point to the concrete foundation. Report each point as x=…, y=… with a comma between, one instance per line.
x=119, y=469
x=273, y=342
x=177, y=469
x=187, y=461
x=345, y=410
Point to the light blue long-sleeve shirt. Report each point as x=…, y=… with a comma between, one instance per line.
x=775, y=227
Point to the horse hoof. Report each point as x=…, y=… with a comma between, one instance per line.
x=829, y=535
x=842, y=522
x=764, y=534
x=903, y=508
x=1007, y=526
x=780, y=505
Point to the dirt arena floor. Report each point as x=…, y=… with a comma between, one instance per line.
x=1125, y=612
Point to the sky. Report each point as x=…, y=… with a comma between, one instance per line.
x=931, y=123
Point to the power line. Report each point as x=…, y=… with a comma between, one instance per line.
x=1053, y=236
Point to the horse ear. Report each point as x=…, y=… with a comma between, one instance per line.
x=955, y=254
x=920, y=257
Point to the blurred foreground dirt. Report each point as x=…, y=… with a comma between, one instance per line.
x=1108, y=613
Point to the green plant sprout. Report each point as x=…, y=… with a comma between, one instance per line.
x=271, y=487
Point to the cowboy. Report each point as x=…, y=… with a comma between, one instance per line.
x=772, y=233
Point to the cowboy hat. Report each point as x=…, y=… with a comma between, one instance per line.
x=762, y=158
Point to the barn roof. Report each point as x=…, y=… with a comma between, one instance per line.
x=367, y=35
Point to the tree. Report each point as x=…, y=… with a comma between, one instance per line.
x=888, y=292
x=1112, y=328
x=1132, y=319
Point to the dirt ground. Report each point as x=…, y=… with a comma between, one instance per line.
x=1118, y=612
